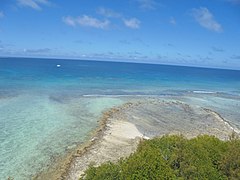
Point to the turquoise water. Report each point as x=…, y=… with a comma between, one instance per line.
x=45, y=110
x=35, y=130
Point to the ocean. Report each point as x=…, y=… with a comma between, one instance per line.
x=50, y=106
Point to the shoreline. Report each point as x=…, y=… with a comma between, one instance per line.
x=61, y=168
x=119, y=139
x=68, y=168
x=234, y=129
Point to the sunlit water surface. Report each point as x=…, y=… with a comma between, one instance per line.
x=46, y=110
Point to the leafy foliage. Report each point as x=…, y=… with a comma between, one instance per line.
x=175, y=157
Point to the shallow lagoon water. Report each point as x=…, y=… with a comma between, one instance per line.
x=45, y=110
x=227, y=106
x=35, y=130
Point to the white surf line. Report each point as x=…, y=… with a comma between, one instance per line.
x=236, y=130
x=204, y=92
x=118, y=95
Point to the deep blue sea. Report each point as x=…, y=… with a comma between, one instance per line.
x=49, y=106
x=95, y=77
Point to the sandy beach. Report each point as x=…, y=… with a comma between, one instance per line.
x=123, y=127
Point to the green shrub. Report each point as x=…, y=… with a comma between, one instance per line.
x=175, y=157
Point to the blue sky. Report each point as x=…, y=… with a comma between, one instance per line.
x=183, y=32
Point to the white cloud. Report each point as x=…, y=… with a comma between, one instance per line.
x=234, y=1
x=37, y=51
x=86, y=21
x=147, y=4
x=69, y=21
x=108, y=13
x=1, y=14
x=235, y=57
x=205, y=18
x=172, y=21
x=132, y=23
x=34, y=4
x=217, y=49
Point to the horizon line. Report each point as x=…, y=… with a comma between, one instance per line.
x=122, y=61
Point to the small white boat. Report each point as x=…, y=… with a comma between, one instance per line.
x=58, y=65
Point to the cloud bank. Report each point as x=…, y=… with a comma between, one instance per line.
x=37, y=51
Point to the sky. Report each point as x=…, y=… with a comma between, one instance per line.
x=202, y=33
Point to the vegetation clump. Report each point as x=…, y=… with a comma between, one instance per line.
x=175, y=157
